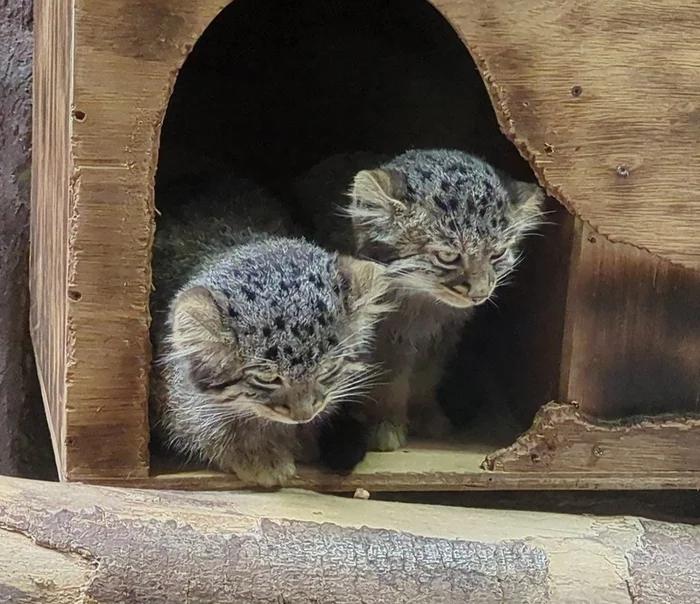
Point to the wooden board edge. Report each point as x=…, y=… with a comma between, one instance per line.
x=563, y=438
x=442, y=482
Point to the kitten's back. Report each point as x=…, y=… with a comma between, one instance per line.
x=202, y=221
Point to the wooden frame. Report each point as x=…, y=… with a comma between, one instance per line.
x=103, y=76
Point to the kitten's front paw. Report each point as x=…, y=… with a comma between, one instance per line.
x=387, y=436
x=264, y=473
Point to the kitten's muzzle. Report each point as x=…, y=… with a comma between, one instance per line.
x=296, y=402
x=477, y=289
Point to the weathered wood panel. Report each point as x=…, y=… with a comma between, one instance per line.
x=104, y=75
x=112, y=546
x=603, y=99
x=632, y=335
x=562, y=439
x=562, y=450
x=105, y=72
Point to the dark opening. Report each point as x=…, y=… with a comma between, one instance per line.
x=273, y=87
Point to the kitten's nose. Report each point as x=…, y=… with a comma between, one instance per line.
x=300, y=400
x=303, y=411
x=478, y=288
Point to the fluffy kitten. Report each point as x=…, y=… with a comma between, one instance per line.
x=255, y=334
x=450, y=227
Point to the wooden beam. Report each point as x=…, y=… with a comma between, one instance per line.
x=65, y=543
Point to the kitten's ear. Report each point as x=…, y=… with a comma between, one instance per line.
x=198, y=323
x=378, y=194
x=527, y=199
x=362, y=277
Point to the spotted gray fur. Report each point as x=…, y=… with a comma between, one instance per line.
x=236, y=302
x=403, y=211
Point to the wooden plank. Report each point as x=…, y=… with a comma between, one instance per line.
x=425, y=472
x=106, y=419
x=51, y=202
x=562, y=439
x=102, y=81
x=563, y=450
x=25, y=445
x=632, y=336
x=602, y=99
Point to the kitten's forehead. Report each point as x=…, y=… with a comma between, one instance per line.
x=463, y=194
x=286, y=304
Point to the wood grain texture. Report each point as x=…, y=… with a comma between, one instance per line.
x=105, y=72
x=632, y=335
x=563, y=450
x=51, y=176
x=115, y=546
x=562, y=439
x=603, y=100
x=104, y=75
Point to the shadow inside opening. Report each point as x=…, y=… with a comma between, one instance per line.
x=273, y=87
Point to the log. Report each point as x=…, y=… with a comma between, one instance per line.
x=76, y=543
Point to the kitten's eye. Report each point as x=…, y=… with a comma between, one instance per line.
x=496, y=256
x=265, y=381
x=218, y=386
x=448, y=257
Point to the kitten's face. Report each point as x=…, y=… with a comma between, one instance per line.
x=279, y=332
x=447, y=224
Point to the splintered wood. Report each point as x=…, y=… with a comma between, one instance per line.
x=561, y=439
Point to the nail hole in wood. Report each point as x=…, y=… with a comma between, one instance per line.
x=622, y=171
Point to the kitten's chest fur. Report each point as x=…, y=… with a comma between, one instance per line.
x=420, y=329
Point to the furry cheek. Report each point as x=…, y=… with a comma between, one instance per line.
x=237, y=395
x=505, y=265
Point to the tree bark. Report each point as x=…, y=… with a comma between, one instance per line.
x=73, y=543
x=24, y=439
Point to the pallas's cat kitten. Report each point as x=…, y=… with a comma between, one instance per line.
x=450, y=227
x=255, y=334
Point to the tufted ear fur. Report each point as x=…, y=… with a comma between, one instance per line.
x=366, y=286
x=377, y=196
x=201, y=335
x=527, y=200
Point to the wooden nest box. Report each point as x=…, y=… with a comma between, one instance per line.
x=602, y=101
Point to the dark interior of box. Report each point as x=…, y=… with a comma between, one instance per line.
x=272, y=87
